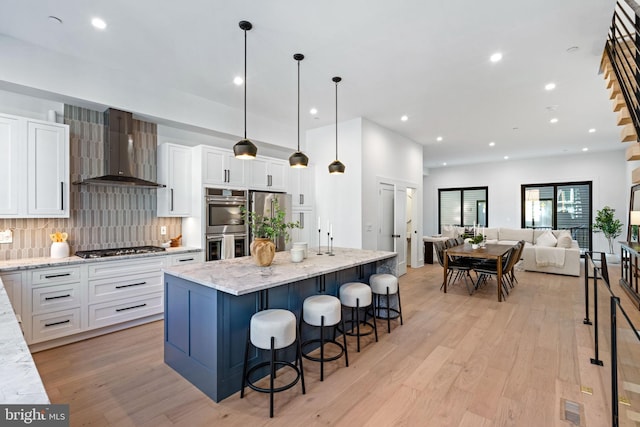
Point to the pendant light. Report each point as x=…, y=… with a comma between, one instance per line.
x=245, y=149
x=336, y=167
x=298, y=159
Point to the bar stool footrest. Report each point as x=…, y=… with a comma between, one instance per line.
x=326, y=359
x=350, y=332
x=252, y=386
x=395, y=312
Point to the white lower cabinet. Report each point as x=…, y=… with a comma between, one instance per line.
x=59, y=305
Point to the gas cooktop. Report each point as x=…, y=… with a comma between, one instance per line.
x=100, y=253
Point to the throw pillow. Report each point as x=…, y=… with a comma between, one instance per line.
x=564, y=240
x=547, y=239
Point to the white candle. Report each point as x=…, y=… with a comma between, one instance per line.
x=318, y=223
x=328, y=225
x=331, y=230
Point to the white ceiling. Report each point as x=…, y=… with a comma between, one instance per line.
x=428, y=59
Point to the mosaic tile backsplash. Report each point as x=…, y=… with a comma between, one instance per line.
x=100, y=216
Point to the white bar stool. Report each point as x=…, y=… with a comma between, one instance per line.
x=386, y=285
x=356, y=295
x=323, y=311
x=272, y=330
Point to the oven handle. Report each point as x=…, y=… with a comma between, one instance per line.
x=214, y=237
x=240, y=201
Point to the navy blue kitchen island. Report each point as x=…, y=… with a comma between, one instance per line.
x=208, y=307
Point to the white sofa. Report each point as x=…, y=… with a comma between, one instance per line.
x=540, y=252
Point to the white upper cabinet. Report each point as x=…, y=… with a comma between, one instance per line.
x=174, y=170
x=220, y=167
x=48, y=169
x=11, y=169
x=35, y=172
x=268, y=174
x=301, y=186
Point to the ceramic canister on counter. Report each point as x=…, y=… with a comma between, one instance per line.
x=297, y=254
x=301, y=245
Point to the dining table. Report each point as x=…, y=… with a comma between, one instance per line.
x=488, y=251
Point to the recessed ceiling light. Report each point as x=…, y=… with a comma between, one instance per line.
x=554, y=120
x=99, y=23
x=444, y=164
x=585, y=149
x=496, y=57
x=550, y=86
x=313, y=111
x=506, y=157
x=237, y=80
x=404, y=118
x=439, y=139
x=491, y=144
x=55, y=19
x=592, y=130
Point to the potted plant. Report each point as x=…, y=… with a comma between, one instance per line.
x=476, y=240
x=606, y=223
x=265, y=230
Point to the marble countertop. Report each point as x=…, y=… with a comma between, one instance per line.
x=21, y=383
x=28, y=263
x=240, y=276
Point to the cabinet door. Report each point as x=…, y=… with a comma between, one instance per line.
x=48, y=170
x=259, y=174
x=235, y=170
x=278, y=175
x=213, y=168
x=301, y=186
x=308, y=231
x=174, y=170
x=12, y=186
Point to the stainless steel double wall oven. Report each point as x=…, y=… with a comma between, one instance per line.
x=226, y=231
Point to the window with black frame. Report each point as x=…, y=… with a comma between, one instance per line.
x=463, y=207
x=559, y=206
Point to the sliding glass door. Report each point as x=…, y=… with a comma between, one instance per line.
x=559, y=206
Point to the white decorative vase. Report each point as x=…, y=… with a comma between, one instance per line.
x=59, y=250
x=475, y=246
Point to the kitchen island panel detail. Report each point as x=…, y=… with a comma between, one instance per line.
x=206, y=326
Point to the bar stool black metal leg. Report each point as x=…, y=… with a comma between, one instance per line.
x=400, y=305
x=388, y=313
x=299, y=353
x=246, y=362
x=344, y=339
x=272, y=367
x=375, y=324
x=358, y=322
x=321, y=348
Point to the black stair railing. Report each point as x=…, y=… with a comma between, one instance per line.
x=615, y=332
x=623, y=51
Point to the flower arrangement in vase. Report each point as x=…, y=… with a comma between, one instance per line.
x=476, y=240
x=265, y=230
x=59, y=245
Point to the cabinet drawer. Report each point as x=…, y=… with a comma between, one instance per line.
x=113, y=312
x=126, y=268
x=109, y=289
x=55, y=275
x=45, y=299
x=185, y=258
x=55, y=325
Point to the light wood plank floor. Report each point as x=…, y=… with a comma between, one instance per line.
x=459, y=360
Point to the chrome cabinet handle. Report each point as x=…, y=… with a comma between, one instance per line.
x=302, y=220
x=62, y=196
x=171, y=200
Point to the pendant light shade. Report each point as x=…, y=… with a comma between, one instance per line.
x=245, y=149
x=336, y=167
x=298, y=159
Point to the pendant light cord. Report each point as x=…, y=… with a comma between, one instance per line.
x=336, y=120
x=298, y=105
x=245, y=84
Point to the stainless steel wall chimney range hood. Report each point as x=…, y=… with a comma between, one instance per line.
x=119, y=153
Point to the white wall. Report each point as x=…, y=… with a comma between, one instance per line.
x=607, y=171
x=338, y=197
x=28, y=106
x=388, y=157
x=30, y=66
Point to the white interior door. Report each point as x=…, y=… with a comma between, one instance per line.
x=392, y=226
x=400, y=228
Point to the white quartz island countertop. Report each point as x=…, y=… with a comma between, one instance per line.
x=240, y=276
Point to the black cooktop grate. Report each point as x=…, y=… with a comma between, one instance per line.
x=100, y=253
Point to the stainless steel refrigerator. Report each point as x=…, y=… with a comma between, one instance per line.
x=261, y=203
